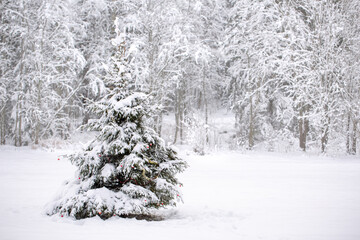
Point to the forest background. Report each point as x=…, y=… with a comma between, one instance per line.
x=287, y=72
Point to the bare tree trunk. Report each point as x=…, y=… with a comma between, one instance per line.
x=1, y=130
x=86, y=118
x=181, y=122
x=16, y=122
x=181, y=110
x=354, y=138
x=237, y=108
x=251, y=125
x=348, y=133
x=303, y=128
x=206, y=109
x=37, y=120
x=159, y=123
x=176, y=127
x=2, y=126
x=18, y=119
x=324, y=138
x=302, y=140
x=177, y=111
x=325, y=129
x=39, y=86
x=206, y=122
x=37, y=129
x=251, y=117
x=20, y=125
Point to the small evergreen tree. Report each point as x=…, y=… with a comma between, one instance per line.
x=127, y=170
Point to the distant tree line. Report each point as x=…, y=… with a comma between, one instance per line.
x=289, y=70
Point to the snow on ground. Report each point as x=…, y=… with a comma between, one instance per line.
x=227, y=196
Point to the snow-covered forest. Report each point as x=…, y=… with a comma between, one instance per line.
x=288, y=71
x=180, y=119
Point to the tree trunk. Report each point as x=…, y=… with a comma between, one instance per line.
x=206, y=108
x=181, y=123
x=324, y=138
x=237, y=108
x=86, y=118
x=37, y=120
x=16, y=122
x=251, y=117
x=303, y=128
x=177, y=126
x=2, y=126
x=325, y=129
x=39, y=86
x=251, y=125
x=20, y=126
x=37, y=129
x=159, y=123
x=348, y=150
x=354, y=138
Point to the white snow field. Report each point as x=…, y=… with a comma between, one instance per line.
x=226, y=196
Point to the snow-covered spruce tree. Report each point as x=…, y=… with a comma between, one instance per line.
x=126, y=170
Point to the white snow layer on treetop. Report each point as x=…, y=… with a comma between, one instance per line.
x=120, y=38
x=128, y=101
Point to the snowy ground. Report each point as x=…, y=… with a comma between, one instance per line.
x=227, y=196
